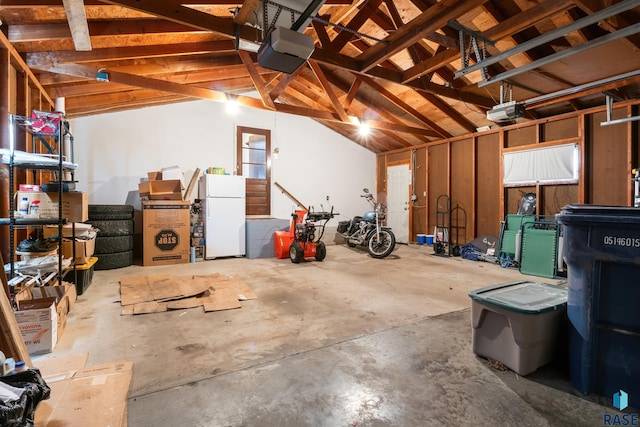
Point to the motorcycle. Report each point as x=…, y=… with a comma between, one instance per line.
x=368, y=230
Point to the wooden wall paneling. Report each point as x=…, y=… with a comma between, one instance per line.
x=488, y=185
x=630, y=157
x=438, y=179
x=519, y=136
x=554, y=130
x=419, y=206
x=555, y=197
x=5, y=98
x=635, y=136
x=582, y=147
x=462, y=184
x=635, y=139
x=503, y=201
x=608, y=165
x=399, y=157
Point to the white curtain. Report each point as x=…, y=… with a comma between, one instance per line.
x=559, y=163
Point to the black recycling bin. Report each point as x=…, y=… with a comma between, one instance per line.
x=602, y=252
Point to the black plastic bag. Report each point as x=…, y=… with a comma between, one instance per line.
x=21, y=412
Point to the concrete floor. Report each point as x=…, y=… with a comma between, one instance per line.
x=351, y=341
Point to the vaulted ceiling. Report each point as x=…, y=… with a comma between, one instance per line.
x=405, y=67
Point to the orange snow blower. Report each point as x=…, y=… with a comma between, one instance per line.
x=301, y=241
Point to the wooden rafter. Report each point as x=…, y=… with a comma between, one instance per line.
x=284, y=83
x=257, y=80
x=351, y=94
x=74, y=9
x=427, y=22
x=505, y=28
x=245, y=12
x=354, y=24
x=176, y=12
x=405, y=107
x=329, y=90
x=129, y=52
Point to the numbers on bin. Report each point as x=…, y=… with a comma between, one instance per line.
x=627, y=242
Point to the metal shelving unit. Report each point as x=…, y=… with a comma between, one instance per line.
x=52, y=137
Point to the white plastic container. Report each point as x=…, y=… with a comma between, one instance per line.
x=23, y=206
x=518, y=323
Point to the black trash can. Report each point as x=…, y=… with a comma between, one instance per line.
x=602, y=252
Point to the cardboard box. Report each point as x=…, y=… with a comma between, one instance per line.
x=173, y=173
x=85, y=240
x=165, y=234
x=154, y=175
x=84, y=249
x=82, y=230
x=75, y=204
x=39, y=326
x=161, y=190
x=40, y=297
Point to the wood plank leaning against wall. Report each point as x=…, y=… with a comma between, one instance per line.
x=469, y=169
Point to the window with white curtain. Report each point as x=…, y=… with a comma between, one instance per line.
x=555, y=164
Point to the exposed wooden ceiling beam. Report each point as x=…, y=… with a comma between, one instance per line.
x=321, y=32
x=354, y=24
x=257, y=80
x=329, y=90
x=74, y=9
x=129, y=52
x=388, y=117
x=213, y=95
x=174, y=11
x=353, y=91
x=405, y=107
x=15, y=56
x=284, y=82
x=503, y=29
x=52, y=31
x=427, y=22
x=246, y=10
x=392, y=24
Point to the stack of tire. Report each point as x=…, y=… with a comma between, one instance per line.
x=114, y=241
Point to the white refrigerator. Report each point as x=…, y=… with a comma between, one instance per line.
x=222, y=199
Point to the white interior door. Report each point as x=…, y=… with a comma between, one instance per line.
x=398, y=197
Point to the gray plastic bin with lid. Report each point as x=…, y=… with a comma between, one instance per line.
x=602, y=252
x=518, y=323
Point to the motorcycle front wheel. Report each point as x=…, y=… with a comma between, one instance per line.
x=383, y=246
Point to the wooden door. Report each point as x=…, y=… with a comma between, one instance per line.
x=254, y=163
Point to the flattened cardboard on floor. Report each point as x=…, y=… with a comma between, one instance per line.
x=243, y=291
x=221, y=299
x=134, y=290
x=52, y=369
x=95, y=395
x=153, y=294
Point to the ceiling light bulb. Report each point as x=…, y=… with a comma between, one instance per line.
x=364, y=129
x=232, y=106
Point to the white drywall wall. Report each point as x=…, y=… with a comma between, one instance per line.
x=115, y=151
